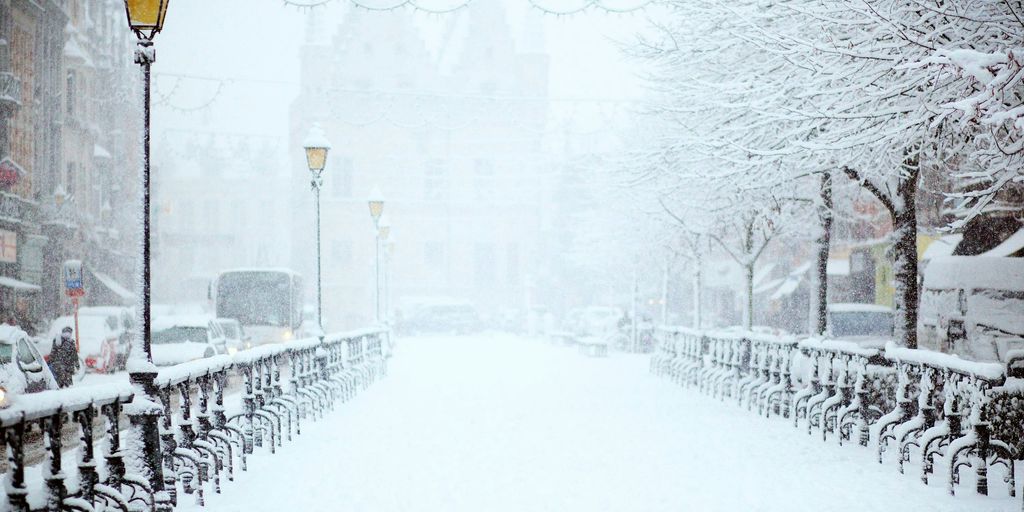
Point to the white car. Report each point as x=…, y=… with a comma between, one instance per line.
x=235, y=338
x=22, y=368
x=120, y=322
x=180, y=339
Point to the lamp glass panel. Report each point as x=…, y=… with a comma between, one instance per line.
x=146, y=14
x=376, y=208
x=316, y=158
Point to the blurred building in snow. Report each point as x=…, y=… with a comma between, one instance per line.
x=451, y=134
x=216, y=205
x=68, y=156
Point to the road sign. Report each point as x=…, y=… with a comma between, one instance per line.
x=73, y=278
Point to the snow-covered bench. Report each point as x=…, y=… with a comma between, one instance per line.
x=593, y=346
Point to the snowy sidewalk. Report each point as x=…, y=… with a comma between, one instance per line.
x=496, y=423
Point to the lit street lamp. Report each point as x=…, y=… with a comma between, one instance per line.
x=383, y=230
x=146, y=19
x=376, y=204
x=317, y=146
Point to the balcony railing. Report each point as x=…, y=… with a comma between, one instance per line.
x=10, y=89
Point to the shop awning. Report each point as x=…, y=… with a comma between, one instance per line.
x=21, y=286
x=113, y=286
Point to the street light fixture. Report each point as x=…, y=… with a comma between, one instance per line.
x=146, y=19
x=317, y=146
x=376, y=204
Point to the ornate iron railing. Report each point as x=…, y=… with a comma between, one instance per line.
x=920, y=405
x=214, y=413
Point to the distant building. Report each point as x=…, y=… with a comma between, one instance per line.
x=450, y=138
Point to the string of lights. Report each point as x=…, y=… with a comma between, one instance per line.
x=548, y=7
x=418, y=110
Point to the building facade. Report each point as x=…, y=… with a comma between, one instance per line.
x=68, y=125
x=450, y=137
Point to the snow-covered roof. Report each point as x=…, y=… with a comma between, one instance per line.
x=973, y=272
x=858, y=308
x=1009, y=246
x=167, y=322
x=101, y=310
x=10, y=282
x=113, y=285
x=942, y=247
x=283, y=270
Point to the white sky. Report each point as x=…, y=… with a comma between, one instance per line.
x=206, y=38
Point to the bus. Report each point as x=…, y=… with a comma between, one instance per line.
x=267, y=302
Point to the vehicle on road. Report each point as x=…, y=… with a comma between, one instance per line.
x=235, y=338
x=22, y=367
x=441, y=315
x=180, y=339
x=864, y=323
x=594, y=321
x=972, y=306
x=267, y=302
x=120, y=322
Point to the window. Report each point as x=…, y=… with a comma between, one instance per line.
x=433, y=254
x=69, y=180
x=484, y=267
x=341, y=177
x=70, y=94
x=435, y=181
x=483, y=178
x=512, y=263
x=341, y=252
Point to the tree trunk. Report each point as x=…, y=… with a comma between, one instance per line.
x=748, y=299
x=819, y=321
x=905, y=262
x=697, y=285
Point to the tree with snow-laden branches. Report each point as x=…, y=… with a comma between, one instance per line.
x=758, y=95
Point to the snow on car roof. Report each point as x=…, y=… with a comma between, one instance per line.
x=101, y=310
x=10, y=333
x=167, y=322
x=283, y=270
x=858, y=308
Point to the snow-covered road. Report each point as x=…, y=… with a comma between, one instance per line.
x=496, y=423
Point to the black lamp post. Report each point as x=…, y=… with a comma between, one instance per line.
x=317, y=146
x=146, y=19
x=376, y=204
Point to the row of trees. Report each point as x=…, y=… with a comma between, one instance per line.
x=765, y=110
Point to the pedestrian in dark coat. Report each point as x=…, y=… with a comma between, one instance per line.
x=64, y=358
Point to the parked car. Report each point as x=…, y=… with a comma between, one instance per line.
x=866, y=323
x=971, y=306
x=22, y=367
x=594, y=321
x=235, y=338
x=97, y=342
x=120, y=321
x=442, y=316
x=180, y=339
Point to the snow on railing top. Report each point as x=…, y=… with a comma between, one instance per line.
x=678, y=329
x=179, y=373
x=46, y=403
x=989, y=371
x=840, y=346
x=367, y=331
